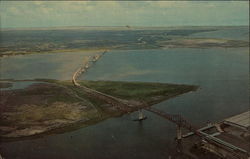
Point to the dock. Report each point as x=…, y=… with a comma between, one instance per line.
x=230, y=139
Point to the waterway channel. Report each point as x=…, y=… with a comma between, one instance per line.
x=222, y=74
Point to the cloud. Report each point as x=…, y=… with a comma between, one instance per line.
x=113, y=13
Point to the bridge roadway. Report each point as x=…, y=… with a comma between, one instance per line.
x=175, y=118
x=120, y=104
x=124, y=105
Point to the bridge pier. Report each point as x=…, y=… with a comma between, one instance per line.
x=179, y=138
x=179, y=133
x=141, y=115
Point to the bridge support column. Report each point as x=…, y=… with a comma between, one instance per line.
x=179, y=134
x=179, y=138
x=141, y=115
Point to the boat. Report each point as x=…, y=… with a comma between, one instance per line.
x=141, y=116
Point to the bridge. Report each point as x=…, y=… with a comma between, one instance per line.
x=175, y=118
x=127, y=107
x=118, y=103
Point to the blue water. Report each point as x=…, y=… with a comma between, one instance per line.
x=222, y=75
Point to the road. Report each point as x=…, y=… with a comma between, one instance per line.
x=120, y=104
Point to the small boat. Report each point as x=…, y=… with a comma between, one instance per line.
x=140, y=119
x=141, y=116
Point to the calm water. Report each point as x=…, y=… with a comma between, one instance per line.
x=239, y=33
x=222, y=75
x=20, y=85
x=50, y=66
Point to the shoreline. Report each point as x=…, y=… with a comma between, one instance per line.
x=192, y=43
x=76, y=125
x=3, y=55
x=84, y=122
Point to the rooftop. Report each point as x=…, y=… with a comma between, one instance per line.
x=241, y=120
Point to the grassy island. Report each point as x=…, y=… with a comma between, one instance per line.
x=60, y=106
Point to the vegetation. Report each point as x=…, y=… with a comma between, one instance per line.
x=140, y=91
x=53, y=104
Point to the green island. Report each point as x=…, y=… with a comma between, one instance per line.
x=52, y=106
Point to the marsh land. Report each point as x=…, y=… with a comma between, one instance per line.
x=43, y=107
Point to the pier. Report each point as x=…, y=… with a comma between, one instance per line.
x=223, y=139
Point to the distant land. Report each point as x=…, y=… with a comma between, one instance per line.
x=81, y=39
x=115, y=27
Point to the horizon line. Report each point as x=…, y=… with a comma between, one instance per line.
x=120, y=26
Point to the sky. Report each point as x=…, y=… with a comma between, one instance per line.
x=16, y=14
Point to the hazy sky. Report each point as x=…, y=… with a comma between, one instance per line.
x=115, y=13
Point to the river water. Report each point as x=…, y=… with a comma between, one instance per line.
x=222, y=74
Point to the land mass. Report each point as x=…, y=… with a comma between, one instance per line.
x=58, y=106
x=77, y=39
